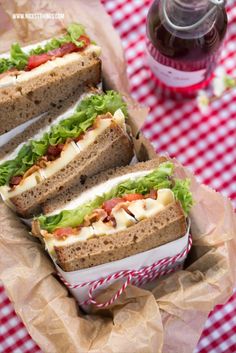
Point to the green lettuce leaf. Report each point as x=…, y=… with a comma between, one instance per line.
x=74, y=31
x=183, y=194
x=19, y=59
x=160, y=178
x=52, y=44
x=5, y=65
x=83, y=117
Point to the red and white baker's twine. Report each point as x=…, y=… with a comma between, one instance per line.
x=135, y=277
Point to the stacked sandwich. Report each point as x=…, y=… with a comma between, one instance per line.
x=68, y=171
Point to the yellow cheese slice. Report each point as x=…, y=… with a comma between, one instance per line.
x=91, y=135
x=165, y=196
x=147, y=208
x=26, y=184
x=6, y=81
x=119, y=118
x=123, y=219
x=67, y=155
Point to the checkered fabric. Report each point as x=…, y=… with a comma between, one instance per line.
x=206, y=144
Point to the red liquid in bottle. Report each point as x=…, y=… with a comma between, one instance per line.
x=184, y=60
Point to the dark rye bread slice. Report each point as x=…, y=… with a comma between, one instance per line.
x=168, y=225
x=41, y=123
x=21, y=102
x=112, y=148
x=73, y=192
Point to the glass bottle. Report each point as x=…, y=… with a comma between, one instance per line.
x=184, y=38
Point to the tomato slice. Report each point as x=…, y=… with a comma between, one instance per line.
x=133, y=197
x=62, y=232
x=67, y=48
x=37, y=60
x=110, y=204
x=86, y=40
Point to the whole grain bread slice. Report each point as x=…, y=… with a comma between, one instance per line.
x=25, y=100
x=112, y=148
x=67, y=195
x=166, y=226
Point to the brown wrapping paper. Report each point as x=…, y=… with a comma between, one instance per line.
x=140, y=321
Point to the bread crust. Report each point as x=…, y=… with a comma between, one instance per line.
x=21, y=102
x=166, y=226
x=111, y=148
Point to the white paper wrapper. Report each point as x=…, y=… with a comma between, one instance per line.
x=134, y=262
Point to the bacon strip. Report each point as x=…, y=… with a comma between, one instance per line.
x=98, y=214
x=53, y=152
x=15, y=180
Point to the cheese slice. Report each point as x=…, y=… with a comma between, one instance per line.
x=84, y=234
x=123, y=219
x=26, y=184
x=165, y=196
x=7, y=80
x=67, y=155
x=101, y=228
x=119, y=118
x=146, y=208
x=92, y=135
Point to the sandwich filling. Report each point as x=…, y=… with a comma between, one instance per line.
x=130, y=199
x=52, y=150
x=19, y=60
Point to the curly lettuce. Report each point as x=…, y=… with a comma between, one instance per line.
x=5, y=65
x=74, y=31
x=183, y=194
x=83, y=118
x=18, y=58
x=161, y=177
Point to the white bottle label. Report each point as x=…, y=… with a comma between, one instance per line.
x=175, y=78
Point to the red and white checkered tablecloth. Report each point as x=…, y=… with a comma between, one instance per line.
x=207, y=144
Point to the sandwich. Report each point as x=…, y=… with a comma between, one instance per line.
x=38, y=77
x=116, y=214
x=89, y=137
